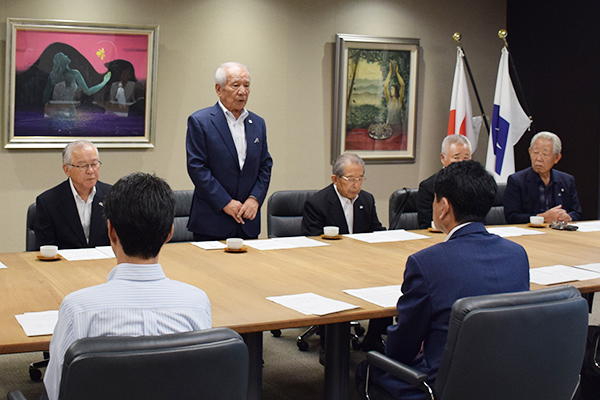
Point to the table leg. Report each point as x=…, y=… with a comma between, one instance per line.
x=255, y=351
x=337, y=361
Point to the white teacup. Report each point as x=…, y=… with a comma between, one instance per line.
x=235, y=243
x=49, y=251
x=331, y=231
x=535, y=220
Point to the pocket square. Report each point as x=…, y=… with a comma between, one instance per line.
x=256, y=140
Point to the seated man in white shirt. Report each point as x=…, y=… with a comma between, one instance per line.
x=137, y=299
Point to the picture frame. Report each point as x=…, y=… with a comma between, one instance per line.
x=69, y=80
x=375, y=98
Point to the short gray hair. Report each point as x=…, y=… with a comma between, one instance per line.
x=67, y=154
x=221, y=74
x=545, y=135
x=342, y=160
x=454, y=139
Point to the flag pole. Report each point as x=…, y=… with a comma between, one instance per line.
x=457, y=36
x=502, y=34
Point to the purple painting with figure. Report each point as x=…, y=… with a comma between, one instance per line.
x=73, y=80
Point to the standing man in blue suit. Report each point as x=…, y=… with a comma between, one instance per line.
x=470, y=262
x=541, y=190
x=70, y=215
x=228, y=161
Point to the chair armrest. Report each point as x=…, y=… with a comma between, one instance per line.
x=15, y=395
x=408, y=374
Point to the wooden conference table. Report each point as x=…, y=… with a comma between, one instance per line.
x=237, y=285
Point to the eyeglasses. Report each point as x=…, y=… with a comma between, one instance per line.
x=351, y=179
x=84, y=167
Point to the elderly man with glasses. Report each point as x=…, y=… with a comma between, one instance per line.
x=344, y=204
x=70, y=215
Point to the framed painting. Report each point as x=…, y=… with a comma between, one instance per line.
x=69, y=80
x=375, y=98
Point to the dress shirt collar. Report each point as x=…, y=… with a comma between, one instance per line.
x=136, y=272
x=457, y=227
x=229, y=115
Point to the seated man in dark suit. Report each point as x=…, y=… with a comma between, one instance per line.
x=70, y=215
x=454, y=148
x=470, y=262
x=137, y=299
x=541, y=190
x=344, y=204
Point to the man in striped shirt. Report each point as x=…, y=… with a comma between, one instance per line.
x=137, y=299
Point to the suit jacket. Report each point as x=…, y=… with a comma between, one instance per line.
x=57, y=220
x=425, y=197
x=522, y=197
x=472, y=263
x=214, y=168
x=324, y=209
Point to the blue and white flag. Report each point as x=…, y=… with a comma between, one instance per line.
x=509, y=122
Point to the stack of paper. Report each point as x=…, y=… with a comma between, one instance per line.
x=383, y=296
x=588, y=226
x=513, y=231
x=38, y=323
x=284, y=243
x=387, y=236
x=85, y=254
x=561, y=273
x=310, y=303
x=210, y=245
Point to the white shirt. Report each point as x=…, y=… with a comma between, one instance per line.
x=84, y=208
x=238, y=132
x=457, y=227
x=348, y=207
x=136, y=300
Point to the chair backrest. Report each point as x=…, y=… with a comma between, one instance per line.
x=496, y=214
x=30, y=244
x=284, y=212
x=403, y=209
x=183, y=204
x=210, y=364
x=526, y=345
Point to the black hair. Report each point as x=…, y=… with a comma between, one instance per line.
x=141, y=208
x=469, y=188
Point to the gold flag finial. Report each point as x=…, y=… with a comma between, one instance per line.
x=457, y=36
x=502, y=34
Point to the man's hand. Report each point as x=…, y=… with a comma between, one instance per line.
x=233, y=208
x=248, y=209
x=555, y=214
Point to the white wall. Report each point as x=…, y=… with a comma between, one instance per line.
x=289, y=47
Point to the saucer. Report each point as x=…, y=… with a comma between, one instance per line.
x=41, y=258
x=529, y=224
x=242, y=250
x=336, y=237
x=430, y=229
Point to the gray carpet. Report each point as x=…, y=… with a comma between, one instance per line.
x=288, y=374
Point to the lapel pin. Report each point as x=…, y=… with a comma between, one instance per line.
x=361, y=207
x=256, y=140
x=249, y=121
x=101, y=204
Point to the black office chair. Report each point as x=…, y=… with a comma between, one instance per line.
x=496, y=214
x=284, y=219
x=30, y=244
x=517, y=346
x=403, y=209
x=183, y=204
x=210, y=364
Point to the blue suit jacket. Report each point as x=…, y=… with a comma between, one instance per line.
x=522, y=197
x=324, y=209
x=57, y=220
x=472, y=263
x=214, y=168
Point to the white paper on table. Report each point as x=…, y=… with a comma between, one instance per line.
x=509, y=231
x=571, y=273
x=2, y=266
x=293, y=242
x=82, y=254
x=588, y=226
x=544, y=278
x=590, y=267
x=38, y=323
x=383, y=296
x=268, y=244
x=310, y=303
x=396, y=235
x=107, y=250
x=210, y=245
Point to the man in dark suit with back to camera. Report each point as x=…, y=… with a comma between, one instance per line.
x=455, y=148
x=344, y=204
x=541, y=190
x=228, y=161
x=70, y=215
x=470, y=262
